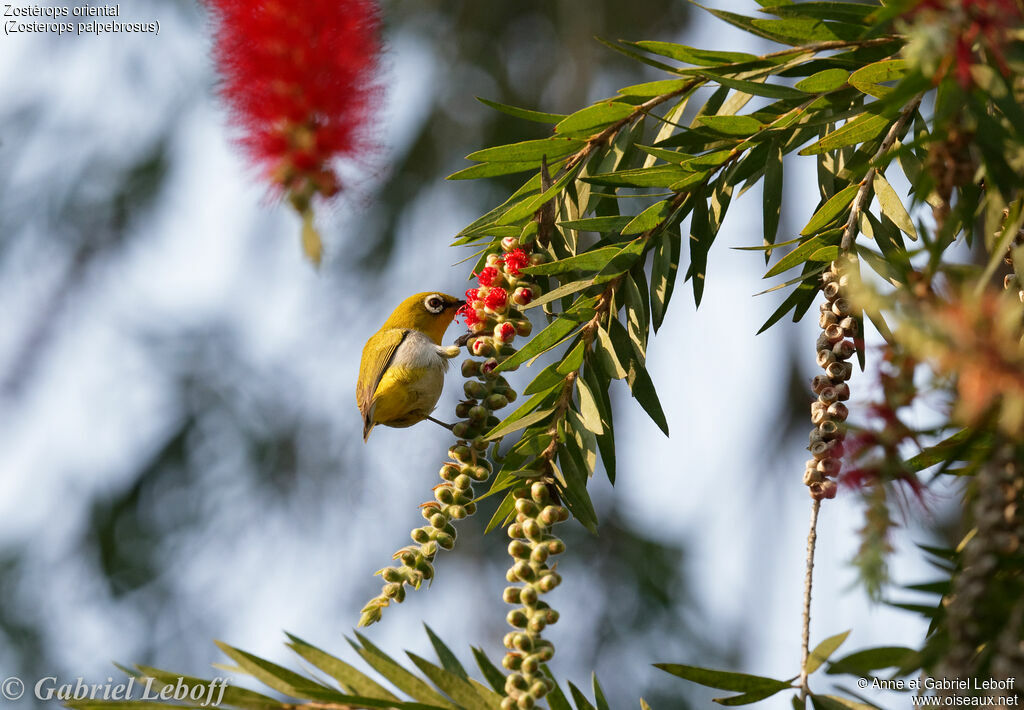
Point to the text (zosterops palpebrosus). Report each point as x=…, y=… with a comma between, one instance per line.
x=402, y=371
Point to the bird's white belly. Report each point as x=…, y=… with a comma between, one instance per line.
x=416, y=351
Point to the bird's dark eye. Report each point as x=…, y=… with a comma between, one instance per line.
x=434, y=304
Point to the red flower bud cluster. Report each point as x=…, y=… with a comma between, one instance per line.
x=298, y=79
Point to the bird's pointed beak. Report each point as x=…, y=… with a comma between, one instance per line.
x=459, y=304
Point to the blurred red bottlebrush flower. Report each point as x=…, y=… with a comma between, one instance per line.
x=298, y=78
x=968, y=22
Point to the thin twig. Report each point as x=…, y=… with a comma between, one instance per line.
x=805, y=641
x=863, y=198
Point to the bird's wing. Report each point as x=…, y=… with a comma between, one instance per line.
x=385, y=344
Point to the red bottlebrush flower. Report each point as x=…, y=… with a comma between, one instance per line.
x=488, y=275
x=468, y=313
x=298, y=78
x=515, y=261
x=472, y=295
x=497, y=298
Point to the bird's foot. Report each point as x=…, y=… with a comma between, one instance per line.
x=440, y=423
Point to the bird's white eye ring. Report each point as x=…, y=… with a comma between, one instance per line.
x=434, y=303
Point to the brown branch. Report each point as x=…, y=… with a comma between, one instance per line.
x=805, y=640
x=863, y=198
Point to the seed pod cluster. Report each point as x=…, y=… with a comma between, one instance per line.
x=1011, y=281
x=986, y=588
x=494, y=322
x=835, y=346
x=532, y=545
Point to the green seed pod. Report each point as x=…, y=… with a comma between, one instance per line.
x=463, y=482
x=438, y=520
x=508, y=703
x=519, y=550
x=515, y=530
x=549, y=516
x=509, y=640
x=549, y=582
x=512, y=661
x=470, y=368
x=444, y=495
x=532, y=529
x=524, y=572
x=526, y=506
x=539, y=689
x=555, y=547
x=463, y=430
x=478, y=414
x=425, y=569
x=539, y=554
x=521, y=494
x=563, y=514
x=525, y=702
x=392, y=590
x=457, y=512
x=470, y=508
x=523, y=642
x=545, y=651
x=530, y=664
x=460, y=453
x=523, y=327
x=391, y=574
x=462, y=408
x=445, y=541
x=510, y=394
x=429, y=549
x=551, y=616
x=480, y=443
x=527, y=595
x=512, y=595
x=517, y=618
x=536, y=624
x=449, y=472
x=492, y=421
x=515, y=682
x=539, y=493
x=478, y=473
x=495, y=402
x=409, y=558
x=420, y=535
x=474, y=389
x=510, y=575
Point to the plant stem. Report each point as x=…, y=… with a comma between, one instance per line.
x=805, y=642
x=863, y=198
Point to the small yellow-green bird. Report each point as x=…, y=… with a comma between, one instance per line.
x=402, y=371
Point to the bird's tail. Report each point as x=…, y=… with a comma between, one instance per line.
x=367, y=428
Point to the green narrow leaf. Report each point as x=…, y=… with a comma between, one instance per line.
x=807, y=29
x=892, y=207
x=507, y=427
x=823, y=651
x=589, y=409
x=863, y=663
x=564, y=290
x=656, y=176
x=350, y=679
x=772, y=199
x=692, y=55
x=598, y=387
x=574, y=491
x=455, y=687
x=604, y=350
x=553, y=147
x=636, y=315
x=651, y=89
x=504, y=511
x=599, y=699
x=663, y=275
x=233, y=695
x=799, y=299
x=868, y=79
x=556, y=698
x=613, y=223
x=723, y=680
x=637, y=377
x=649, y=218
x=527, y=114
x=700, y=243
x=444, y=654
x=855, y=131
x=755, y=88
x=399, y=676
x=595, y=117
x=495, y=678
x=741, y=126
x=277, y=677
x=823, y=81
x=802, y=253
x=580, y=699
x=833, y=208
x=593, y=260
x=484, y=170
